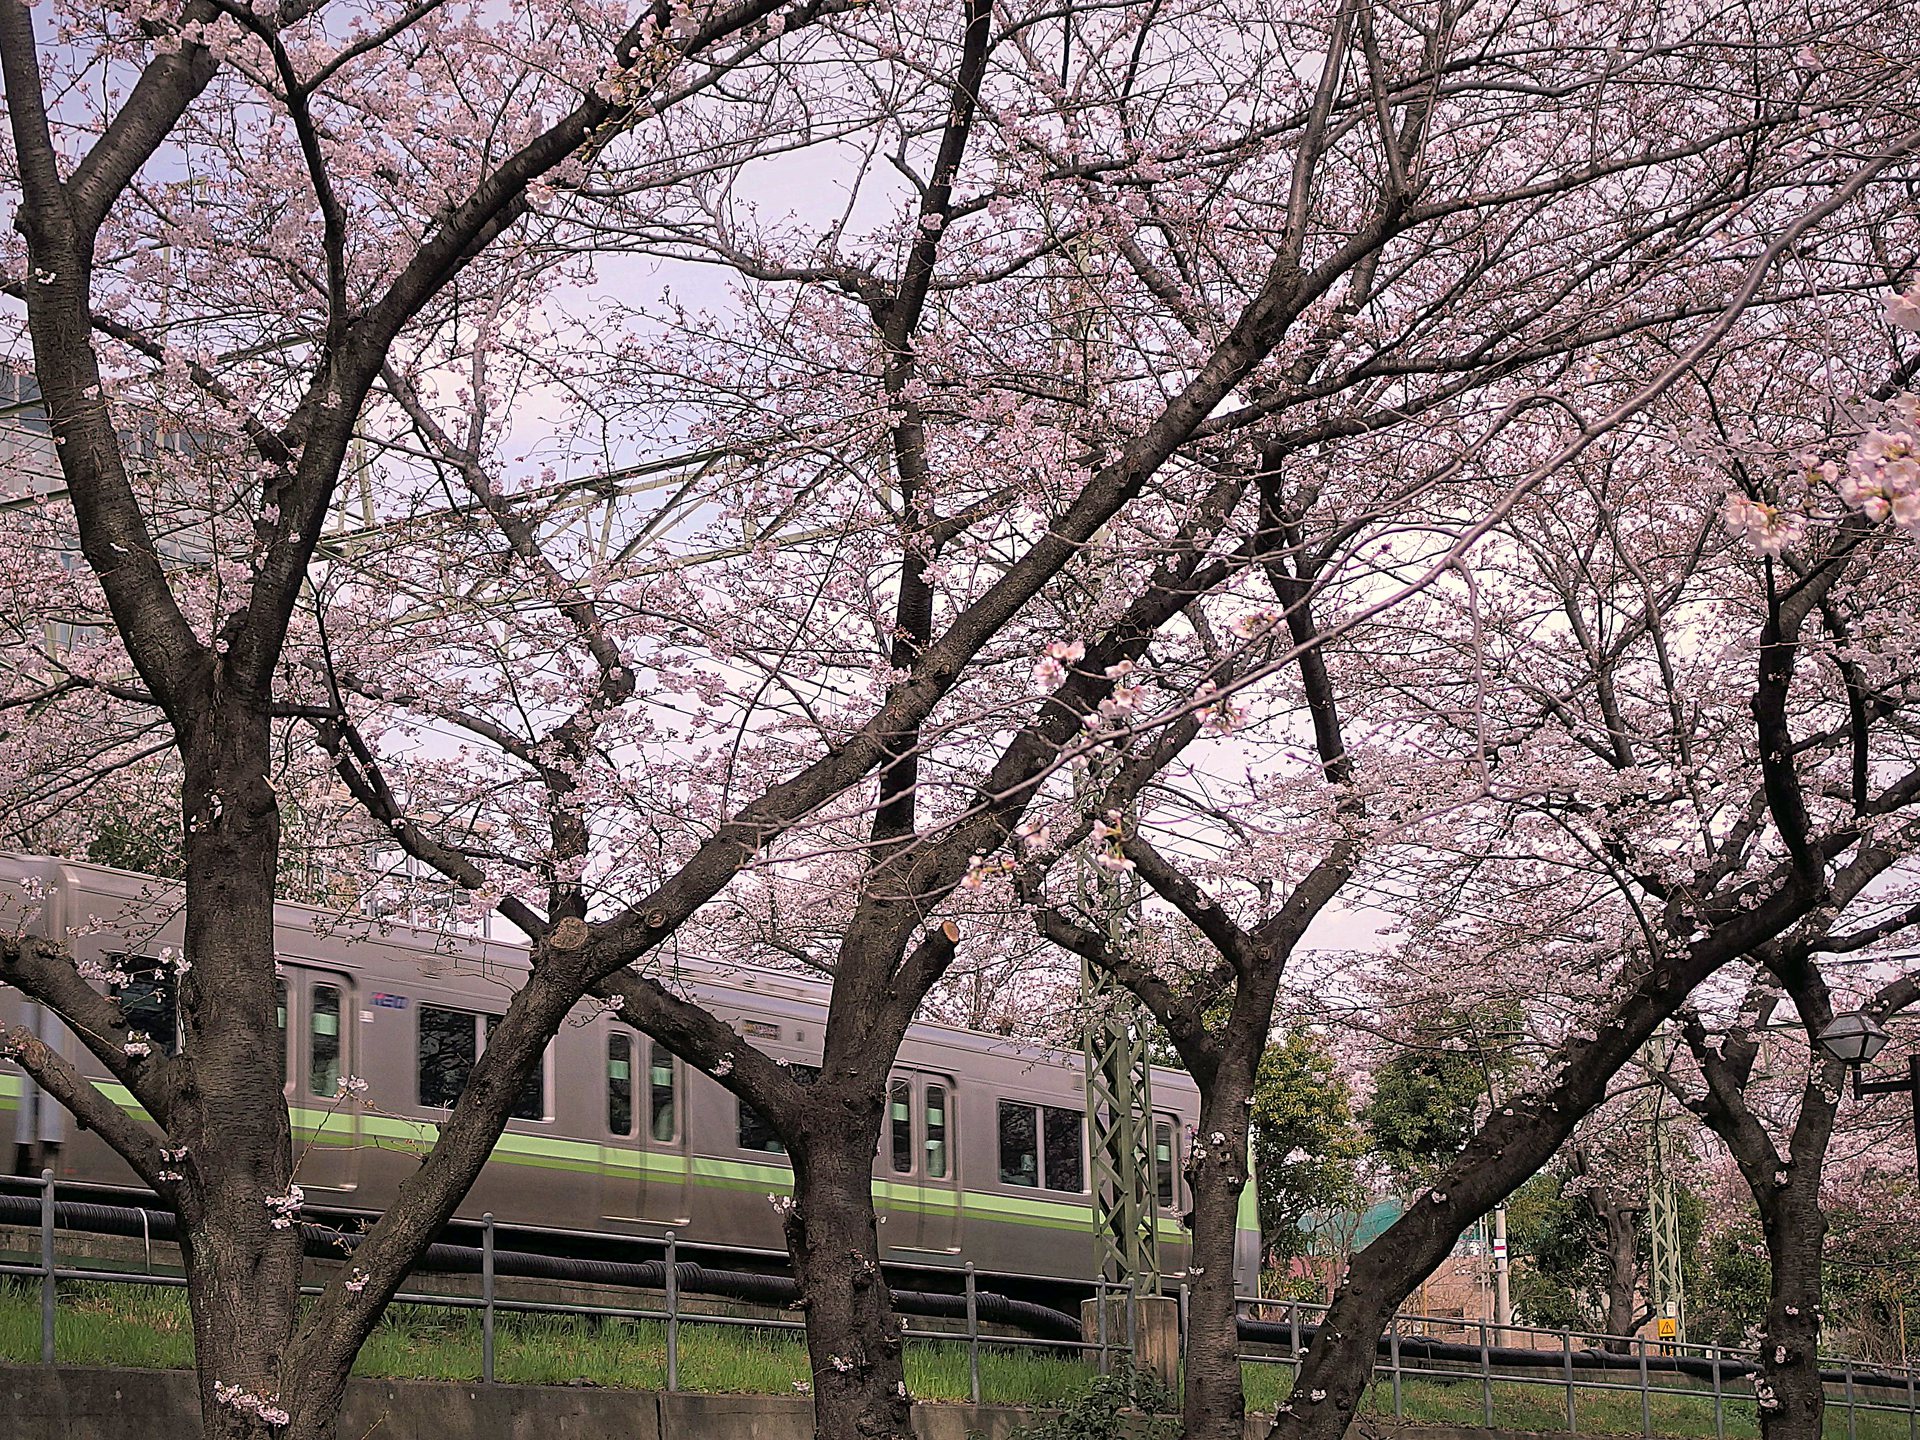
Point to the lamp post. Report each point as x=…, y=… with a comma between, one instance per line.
x=1855, y=1038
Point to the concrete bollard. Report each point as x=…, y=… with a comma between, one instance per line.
x=1154, y=1329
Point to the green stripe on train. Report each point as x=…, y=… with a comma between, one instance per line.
x=538, y=1152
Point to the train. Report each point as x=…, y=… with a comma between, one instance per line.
x=982, y=1156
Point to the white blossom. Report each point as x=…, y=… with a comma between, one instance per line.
x=286, y=1208
x=1766, y=529
x=1050, y=670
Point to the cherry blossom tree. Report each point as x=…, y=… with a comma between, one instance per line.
x=1011, y=466
x=874, y=383
x=1707, y=841
x=1780, y=1142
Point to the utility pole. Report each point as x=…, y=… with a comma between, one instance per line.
x=1502, y=1294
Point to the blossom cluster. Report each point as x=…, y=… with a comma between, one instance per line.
x=1050, y=670
x=1219, y=714
x=1882, y=478
x=1767, y=529
x=1108, y=833
x=286, y=1208
x=264, y=1408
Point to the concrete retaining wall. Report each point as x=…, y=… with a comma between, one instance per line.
x=70, y=1402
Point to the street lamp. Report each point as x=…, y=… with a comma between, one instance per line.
x=1855, y=1038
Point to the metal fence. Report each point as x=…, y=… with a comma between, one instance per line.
x=1461, y=1354
x=672, y=1314
x=1442, y=1351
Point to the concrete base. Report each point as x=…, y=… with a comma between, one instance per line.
x=70, y=1402
x=1156, y=1331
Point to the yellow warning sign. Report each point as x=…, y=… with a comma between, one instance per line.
x=1665, y=1327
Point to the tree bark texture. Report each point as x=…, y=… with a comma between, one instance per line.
x=1215, y=1402
x=1792, y=1400
x=228, y=1113
x=853, y=1335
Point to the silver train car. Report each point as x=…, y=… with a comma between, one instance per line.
x=982, y=1155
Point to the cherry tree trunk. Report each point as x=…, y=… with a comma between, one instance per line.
x=229, y=1112
x=853, y=1336
x=1792, y=1400
x=1214, y=1406
x=1623, y=1244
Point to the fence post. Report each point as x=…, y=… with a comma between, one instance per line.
x=486, y=1298
x=1486, y=1377
x=1393, y=1359
x=1100, y=1320
x=47, y=1281
x=1849, y=1375
x=1913, y=1410
x=1293, y=1324
x=1566, y=1366
x=1133, y=1327
x=973, y=1338
x=673, y=1313
x=1646, y=1397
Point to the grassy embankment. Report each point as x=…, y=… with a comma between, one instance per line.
x=145, y=1327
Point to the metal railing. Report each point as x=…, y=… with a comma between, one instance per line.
x=1577, y=1362
x=1414, y=1348
x=672, y=1314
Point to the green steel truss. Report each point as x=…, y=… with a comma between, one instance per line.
x=1119, y=1110
x=1668, y=1286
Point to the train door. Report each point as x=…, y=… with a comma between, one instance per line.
x=316, y=1005
x=620, y=1149
x=643, y=1157
x=921, y=1194
x=663, y=1139
x=1168, y=1198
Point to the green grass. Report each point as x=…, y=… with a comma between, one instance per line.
x=146, y=1327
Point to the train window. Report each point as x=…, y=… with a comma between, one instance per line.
x=1019, y=1145
x=149, y=999
x=1062, y=1132
x=661, y=1077
x=900, y=1125
x=1163, y=1163
x=936, y=1105
x=756, y=1131
x=280, y=1005
x=449, y=1044
x=531, y=1103
x=323, y=1032
x=619, y=1083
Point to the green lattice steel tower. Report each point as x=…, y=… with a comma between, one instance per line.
x=1114, y=1028
x=1119, y=1116
x=1119, y=1088
x=1669, y=1290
